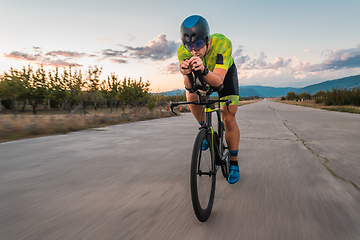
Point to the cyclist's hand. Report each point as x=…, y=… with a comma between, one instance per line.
x=185, y=67
x=197, y=63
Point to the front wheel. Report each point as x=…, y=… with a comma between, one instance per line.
x=202, y=177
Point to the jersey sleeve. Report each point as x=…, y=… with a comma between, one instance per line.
x=223, y=58
x=183, y=53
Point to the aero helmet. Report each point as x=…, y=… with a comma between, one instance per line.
x=193, y=29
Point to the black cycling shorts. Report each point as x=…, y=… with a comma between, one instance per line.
x=231, y=83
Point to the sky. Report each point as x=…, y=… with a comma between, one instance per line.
x=275, y=43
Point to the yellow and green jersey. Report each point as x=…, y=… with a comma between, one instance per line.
x=219, y=55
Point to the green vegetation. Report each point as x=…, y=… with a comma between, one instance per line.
x=72, y=90
x=336, y=97
x=55, y=96
x=348, y=109
x=249, y=98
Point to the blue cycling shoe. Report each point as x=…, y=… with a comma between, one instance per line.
x=205, y=145
x=233, y=174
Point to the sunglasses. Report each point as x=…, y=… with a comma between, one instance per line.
x=199, y=44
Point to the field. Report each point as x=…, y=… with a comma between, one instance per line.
x=27, y=125
x=311, y=103
x=48, y=122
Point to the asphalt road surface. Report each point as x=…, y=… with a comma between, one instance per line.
x=300, y=179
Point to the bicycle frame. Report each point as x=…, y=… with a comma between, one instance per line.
x=216, y=155
x=208, y=110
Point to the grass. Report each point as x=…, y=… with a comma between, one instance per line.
x=49, y=122
x=28, y=125
x=311, y=103
x=245, y=102
x=349, y=109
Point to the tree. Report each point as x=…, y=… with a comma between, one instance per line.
x=79, y=89
x=56, y=88
x=133, y=93
x=93, y=79
x=110, y=89
x=305, y=95
x=11, y=87
x=37, y=88
x=319, y=96
x=71, y=83
x=290, y=96
x=320, y=93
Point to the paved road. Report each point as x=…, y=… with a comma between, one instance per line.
x=131, y=181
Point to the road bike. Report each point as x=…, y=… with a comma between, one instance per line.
x=206, y=161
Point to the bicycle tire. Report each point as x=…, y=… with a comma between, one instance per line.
x=223, y=151
x=202, y=177
x=225, y=155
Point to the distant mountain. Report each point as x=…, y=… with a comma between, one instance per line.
x=265, y=91
x=247, y=92
x=261, y=91
x=174, y=92
x=347, y=82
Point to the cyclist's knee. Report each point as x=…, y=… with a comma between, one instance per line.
x=229, y=116
x=191, y=96
x=230, y=120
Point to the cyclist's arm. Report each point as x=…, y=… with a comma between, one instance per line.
x=223, y=62
x=215, y=78
x=185, y=69
x=187, y=82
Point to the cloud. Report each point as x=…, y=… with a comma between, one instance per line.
x=19, y=56
x=115, y=60
x=66, y=54
x=172, y=68
x=336, y=60
x=297, y=73
x=239, y=58
x=157, y=49
x=129, y=37
x=260, y=63
x=57, y=63
x=113, y=53
x=50, y=59
x=306, y=50
x=37, y=49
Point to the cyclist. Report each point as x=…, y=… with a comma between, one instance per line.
x=212, y=55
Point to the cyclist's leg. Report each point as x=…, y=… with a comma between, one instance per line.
x=232, y=136
x=231, y=92
x=196, y=110
x=232, y=132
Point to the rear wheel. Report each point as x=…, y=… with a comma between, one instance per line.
x=223, y=149
x=202, y=177
x=225, y=156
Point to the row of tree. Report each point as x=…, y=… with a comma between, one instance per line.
x=71, y=88
x=337, y=96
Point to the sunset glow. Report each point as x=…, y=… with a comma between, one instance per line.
x=138, y=40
